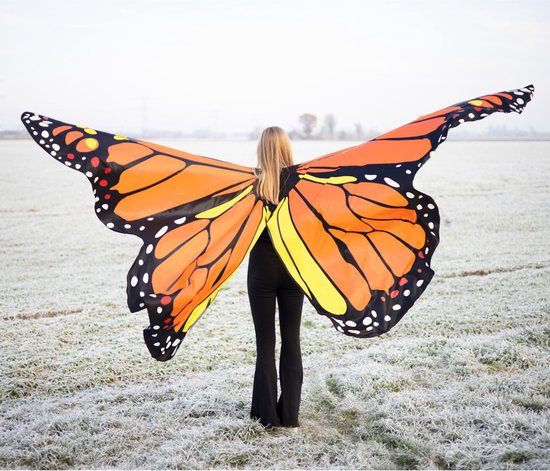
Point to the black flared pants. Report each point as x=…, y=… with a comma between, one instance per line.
x=269, y=281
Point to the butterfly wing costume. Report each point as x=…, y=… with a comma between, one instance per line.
x=351, y=229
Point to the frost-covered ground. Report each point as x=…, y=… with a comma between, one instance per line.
x=461, y=382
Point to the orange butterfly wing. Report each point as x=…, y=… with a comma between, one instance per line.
x=354, y=232
x=414, y=141
x=198, y=217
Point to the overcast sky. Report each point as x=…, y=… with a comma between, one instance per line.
x=235, y=65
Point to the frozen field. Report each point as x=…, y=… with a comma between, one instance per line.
x=461, y=382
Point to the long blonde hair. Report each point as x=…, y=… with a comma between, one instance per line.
x=274, y=153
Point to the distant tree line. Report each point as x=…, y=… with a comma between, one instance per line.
x=309, y=128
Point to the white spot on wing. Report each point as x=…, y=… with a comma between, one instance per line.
x=161, y=232
x=391, y=182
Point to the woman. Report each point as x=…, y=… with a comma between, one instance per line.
x=269, y=282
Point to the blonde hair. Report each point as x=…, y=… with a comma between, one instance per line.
x=274, y=153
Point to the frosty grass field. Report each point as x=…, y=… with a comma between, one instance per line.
x=461, y=382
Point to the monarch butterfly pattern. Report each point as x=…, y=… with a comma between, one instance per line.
x=355, y=233
x=350, y=228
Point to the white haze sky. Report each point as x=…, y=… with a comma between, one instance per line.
x=235, y=65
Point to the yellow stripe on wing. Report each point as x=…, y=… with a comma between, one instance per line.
x=301, y=265
x=277, y=238
x=222, y=208
x=331, y=180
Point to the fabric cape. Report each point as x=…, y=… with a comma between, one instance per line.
x=350, y=227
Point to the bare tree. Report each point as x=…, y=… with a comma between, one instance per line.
x=308, y=121
x=359, y=132
x=343, y=135
x=329, y=125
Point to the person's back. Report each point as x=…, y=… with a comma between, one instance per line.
x=269, y=283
